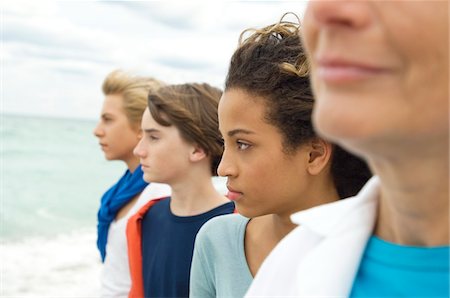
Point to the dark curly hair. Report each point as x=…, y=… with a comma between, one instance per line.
x=192, y=109
x=271, y=64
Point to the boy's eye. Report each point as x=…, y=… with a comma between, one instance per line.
x=153, y=138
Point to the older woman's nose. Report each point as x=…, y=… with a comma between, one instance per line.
x=339, y=13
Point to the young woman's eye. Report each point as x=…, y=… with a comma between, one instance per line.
x=153, y=138
x=242, y=146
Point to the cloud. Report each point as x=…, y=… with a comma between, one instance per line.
x=177, y=15
x=56, y=53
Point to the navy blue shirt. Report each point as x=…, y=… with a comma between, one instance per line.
x=167, y=248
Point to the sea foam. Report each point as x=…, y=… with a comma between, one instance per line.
x=63, y=266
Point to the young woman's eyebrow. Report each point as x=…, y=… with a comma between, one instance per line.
x=234, y=132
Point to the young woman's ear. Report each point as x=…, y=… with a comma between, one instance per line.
x=319, y=156
x=197, y=154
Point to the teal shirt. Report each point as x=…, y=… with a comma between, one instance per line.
x=391, y=270
x=219, y=267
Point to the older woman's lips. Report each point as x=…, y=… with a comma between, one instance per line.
x=342, y=71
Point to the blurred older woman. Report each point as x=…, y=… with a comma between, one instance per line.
x=381, y=80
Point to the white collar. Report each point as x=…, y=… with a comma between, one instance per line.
x=337, y=216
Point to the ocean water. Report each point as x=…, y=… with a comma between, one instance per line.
x=53, y=174
x=52, y=177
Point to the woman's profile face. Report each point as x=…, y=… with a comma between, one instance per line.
x=379, y=72
x=262, y=179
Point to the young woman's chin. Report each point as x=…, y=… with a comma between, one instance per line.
x=247, y=212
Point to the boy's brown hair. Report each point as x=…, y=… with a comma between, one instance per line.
x=192, y=109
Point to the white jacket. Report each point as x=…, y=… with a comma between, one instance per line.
x=321, y=257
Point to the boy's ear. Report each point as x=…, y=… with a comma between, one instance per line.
x=320, y=152
x=197, y=154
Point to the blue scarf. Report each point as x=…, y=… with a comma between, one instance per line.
x=130, y=185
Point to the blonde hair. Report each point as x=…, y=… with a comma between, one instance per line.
x=134, y=91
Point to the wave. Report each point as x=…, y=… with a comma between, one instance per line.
x=67, y=265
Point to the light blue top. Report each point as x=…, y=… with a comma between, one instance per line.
x=219, y=267
x=391, y=270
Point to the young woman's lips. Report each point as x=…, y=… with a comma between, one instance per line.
x=233, y=195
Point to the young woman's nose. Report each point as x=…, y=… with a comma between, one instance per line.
x=226, y=167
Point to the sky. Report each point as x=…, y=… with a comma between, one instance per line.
x=55, y=54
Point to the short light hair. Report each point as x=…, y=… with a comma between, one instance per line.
x=134, y=91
